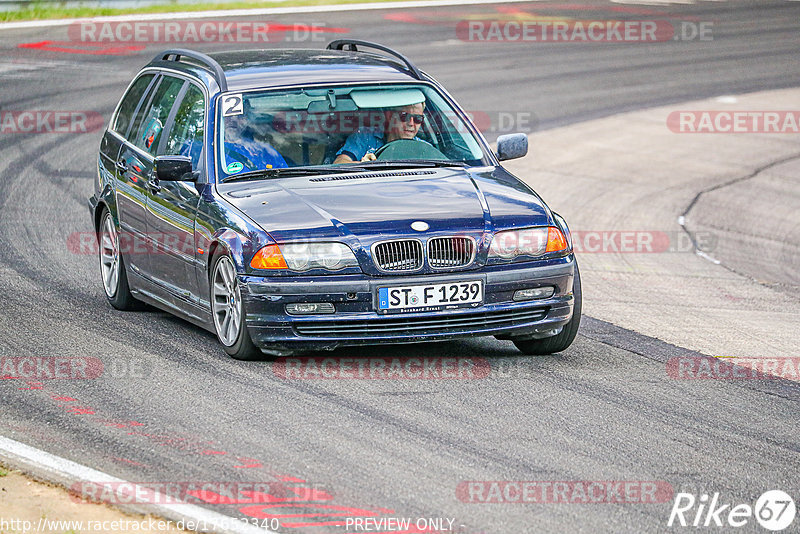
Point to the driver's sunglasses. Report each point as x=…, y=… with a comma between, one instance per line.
x=416, y=117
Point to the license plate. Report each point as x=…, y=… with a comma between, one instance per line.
x=430, y=297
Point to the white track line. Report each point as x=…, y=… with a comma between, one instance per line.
x=255, y=12
x=57, y=470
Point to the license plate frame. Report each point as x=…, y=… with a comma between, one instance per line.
x=387, y=295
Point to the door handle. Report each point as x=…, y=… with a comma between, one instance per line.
x=121, y=165
x=152, y=181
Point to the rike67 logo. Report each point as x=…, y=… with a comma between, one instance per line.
x=774, y=510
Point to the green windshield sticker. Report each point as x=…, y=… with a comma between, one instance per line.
x=234, y=167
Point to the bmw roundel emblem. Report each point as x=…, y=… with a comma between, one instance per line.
x=419, y=226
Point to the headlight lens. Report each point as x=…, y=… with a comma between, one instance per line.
x=305, y=257
x=509, y=244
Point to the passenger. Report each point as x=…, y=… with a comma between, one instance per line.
x=243, y=150
x=399, y=123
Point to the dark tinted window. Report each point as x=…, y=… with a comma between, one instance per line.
x=186, y=136
x=129, y=102
x=151, y=123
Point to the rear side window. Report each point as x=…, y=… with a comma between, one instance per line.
x=186, y=135
x=151, y=122
x=128, y=104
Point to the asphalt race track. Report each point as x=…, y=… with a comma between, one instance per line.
x=172, y=407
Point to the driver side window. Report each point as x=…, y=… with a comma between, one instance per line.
x=186, y=135
x=148, y=133
x=127, y=106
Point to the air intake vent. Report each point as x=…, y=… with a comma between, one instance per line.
x=404, y=326
x=369, y=175
x=449, y=252
x=398, y=256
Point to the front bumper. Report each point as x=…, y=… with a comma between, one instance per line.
x=356, y=321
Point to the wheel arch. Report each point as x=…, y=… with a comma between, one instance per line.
x=105, y=201
x=228, y=242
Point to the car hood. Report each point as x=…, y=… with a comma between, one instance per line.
x=382, y=204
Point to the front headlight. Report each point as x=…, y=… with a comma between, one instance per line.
x=305, y=257
x=532, y=242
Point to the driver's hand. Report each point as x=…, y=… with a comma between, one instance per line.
x=369, y=156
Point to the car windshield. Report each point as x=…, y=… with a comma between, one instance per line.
x=370, y=125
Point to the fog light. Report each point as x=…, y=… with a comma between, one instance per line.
x=535, y=293
x=309, y=308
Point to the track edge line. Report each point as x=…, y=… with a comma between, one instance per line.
x=48, y=467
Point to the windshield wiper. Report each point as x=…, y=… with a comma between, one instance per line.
x=283, y=172
x=406, y=163
x=363, y=166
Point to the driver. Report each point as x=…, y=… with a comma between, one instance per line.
x=399, y=123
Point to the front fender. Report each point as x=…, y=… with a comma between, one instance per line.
x=227, y=241
x=241, y=248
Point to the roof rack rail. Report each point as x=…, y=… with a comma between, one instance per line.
x=351, y=45
x=207, y=61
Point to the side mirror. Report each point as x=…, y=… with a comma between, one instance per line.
x=512, y=146
x=175, y=169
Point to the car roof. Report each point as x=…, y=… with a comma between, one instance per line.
x=250, y=69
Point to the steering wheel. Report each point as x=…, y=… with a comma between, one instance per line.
x=408, y=149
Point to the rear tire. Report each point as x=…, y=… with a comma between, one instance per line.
x=562, y=340
x=112, y=266
x=227, y=310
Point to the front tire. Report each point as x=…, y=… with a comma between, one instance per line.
x=112, y=266
x=227, y=309
x=562, y=340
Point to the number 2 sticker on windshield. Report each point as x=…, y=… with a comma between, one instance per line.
x=232, y=105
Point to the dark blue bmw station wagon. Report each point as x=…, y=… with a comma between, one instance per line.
x=297, y=200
